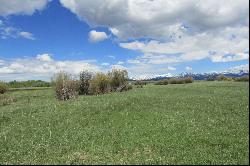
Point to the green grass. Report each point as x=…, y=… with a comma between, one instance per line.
x=198, y=123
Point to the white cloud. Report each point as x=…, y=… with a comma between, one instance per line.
x=175, y=30
x=216, y=47
x=171, y=68
x=118, y=67
x=1, y=62
x=230, y=58
x=12, y=32
x=44, y=57
x=43, y=66
x=237, y=69
x=27, y=35
x=188, y=68
x=27, y=7
x=120, y=62
x=105, y=64
x=111, y=56
x=158, y=19
x=95, y=36
x=133, y=61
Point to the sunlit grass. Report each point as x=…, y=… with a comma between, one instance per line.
x=198, y=123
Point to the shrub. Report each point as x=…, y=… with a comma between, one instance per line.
x=188, y=80
x=84, y=82
x=210, y=79
x=242, y=79
x=139, y=82
x=29, y=83
x=128, y=87
x=99, y=84
x=172, y=81
x=3, y=87
x=65, y=87
x=180, y=81
x=125, y=87
x=162, y=82
x=223, y=78
x=117, y=78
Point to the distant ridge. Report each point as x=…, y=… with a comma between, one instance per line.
x=198, y=76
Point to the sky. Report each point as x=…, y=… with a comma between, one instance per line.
x=146, y=37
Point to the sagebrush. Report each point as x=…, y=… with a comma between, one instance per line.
x=65, y=86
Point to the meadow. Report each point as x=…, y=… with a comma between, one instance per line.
x=198, y=123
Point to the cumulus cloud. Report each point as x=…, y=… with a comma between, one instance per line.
x=128, y=18
x=27, y=7
x=95, y=36
x=44, y=57
x=240, y=68
x=171, y=32
x=220, y=47
x=42, y=66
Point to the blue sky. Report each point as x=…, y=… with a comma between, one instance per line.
x=148, y=38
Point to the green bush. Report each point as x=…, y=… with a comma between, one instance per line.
x=117, y=78
x=210, y=79
x=185, y=80
x=65, y=87
x=128, y=87
x=84, y=82
x=188, y=80
x=29, y=83
x=223, y=78
x=162, y=82
x=172, y=81
x=139, y=82
x=180, y=81
x=242, y=79
x=99, y=84
x=3, y=87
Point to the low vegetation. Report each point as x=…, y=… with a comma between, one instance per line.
x=203, y=123
x=90, y=84
x=99, y=84
x=29, y=83
x=65, y=86
x=238, y=79
x=140, y=83
x=117, y=79
x=84, y=82
x=185, y=80
x=3, y=87
x=6, y=99
x=242, y=79
x=224, y=78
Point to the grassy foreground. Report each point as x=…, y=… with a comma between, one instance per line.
x=199, y=123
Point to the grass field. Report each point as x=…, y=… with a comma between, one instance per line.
x=198, y=123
